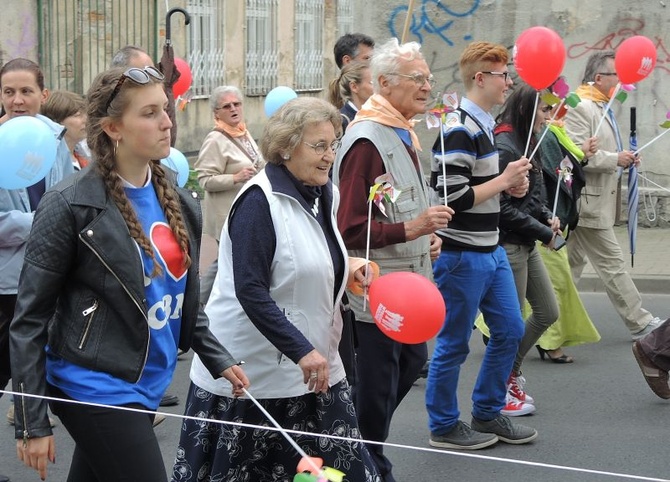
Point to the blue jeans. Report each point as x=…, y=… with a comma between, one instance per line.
x=470, y=281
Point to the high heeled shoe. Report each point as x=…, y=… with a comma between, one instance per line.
x=559, y=359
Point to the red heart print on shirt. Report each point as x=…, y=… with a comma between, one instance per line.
x=168, y=250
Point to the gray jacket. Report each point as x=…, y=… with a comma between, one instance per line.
x=16, y=217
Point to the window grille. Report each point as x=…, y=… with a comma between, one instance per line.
x=261, y=46
x=77, y=39
x=345, y=17
x=308, y=45
x=206, y=45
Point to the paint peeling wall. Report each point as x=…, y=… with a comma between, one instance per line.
x=18, y=30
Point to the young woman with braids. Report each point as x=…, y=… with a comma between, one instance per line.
x=109, y=291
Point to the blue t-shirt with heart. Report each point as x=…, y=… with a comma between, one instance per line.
x=164, y=294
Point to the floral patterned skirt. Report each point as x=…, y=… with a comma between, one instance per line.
x=215, y=452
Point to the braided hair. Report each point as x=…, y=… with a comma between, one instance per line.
x=104, y=153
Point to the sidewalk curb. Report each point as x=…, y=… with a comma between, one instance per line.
x=649, y=284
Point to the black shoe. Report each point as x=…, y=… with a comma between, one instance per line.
x=169, y=400
x=424, y=370
x=4, y=478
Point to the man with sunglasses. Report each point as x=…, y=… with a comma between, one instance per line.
x=381, y=141
x=473, y=272
x=594, y=237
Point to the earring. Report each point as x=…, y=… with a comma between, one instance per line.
x=286, y=157
x=116, y=147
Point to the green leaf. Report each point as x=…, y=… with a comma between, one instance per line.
x=666, y=125
x=622, y=96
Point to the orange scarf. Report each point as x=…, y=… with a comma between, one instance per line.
x=588, y=92
x=239, y=131
x=380, y=110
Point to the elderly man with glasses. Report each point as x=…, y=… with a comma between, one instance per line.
x=381, y=141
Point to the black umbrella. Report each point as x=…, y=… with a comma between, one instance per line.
x=632, y=191
x=167, y=67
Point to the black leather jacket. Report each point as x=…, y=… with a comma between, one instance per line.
x=522, y=220
x=81, y=291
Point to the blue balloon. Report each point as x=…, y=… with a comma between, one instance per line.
x=27, y=152
x=177, y=162
x=278, y=97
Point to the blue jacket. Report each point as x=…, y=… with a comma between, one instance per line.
x=16, y=217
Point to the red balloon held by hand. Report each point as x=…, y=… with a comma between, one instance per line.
x=407, y=307
x=539, y=56
x=635, y=59
x=185, y=79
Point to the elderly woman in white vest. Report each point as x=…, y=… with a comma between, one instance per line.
x=283, y=268
x=228, y=158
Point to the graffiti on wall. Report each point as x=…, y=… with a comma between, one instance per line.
x=432, y=17
x=611, y=40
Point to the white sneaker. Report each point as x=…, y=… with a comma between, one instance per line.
x=651, y=326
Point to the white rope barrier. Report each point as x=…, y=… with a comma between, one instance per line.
x=352, y=440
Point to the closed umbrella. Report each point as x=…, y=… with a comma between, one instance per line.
x=167, y=67
x=632, y=190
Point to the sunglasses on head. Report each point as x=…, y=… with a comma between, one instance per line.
x=139, y=76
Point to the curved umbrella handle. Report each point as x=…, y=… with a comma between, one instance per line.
x=168, y=15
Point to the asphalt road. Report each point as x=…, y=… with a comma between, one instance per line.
x=596, y=414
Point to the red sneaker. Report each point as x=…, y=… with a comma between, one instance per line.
x=517, y=408
x=515, y=385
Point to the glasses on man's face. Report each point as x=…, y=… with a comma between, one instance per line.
x=229, y=106
x=504, y=75
x=608, y=74
x=321, y=147
x=419, y=79
x=137, y=75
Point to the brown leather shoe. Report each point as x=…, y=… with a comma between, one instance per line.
x=656, y=378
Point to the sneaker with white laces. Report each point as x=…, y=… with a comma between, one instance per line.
x=515, y=385
x=461, y=436
x=651, y=326
x=506, y=430
x=517, y=408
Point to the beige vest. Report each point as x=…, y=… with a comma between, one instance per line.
x=412, y=256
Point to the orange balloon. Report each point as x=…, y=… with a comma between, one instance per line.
x=407, y=307
x=356, y=287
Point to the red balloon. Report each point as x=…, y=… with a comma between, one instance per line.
x=539, y=56
x=635, y=59
x=407, y=307
x=185, y=79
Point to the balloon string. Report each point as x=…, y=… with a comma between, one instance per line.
x=637, y=151
x=367, y=254
x=341, y=438
x=444, y=164
x=558, y=188
x=532, y=123
x=288, y=438
x=553, y=116
x=607, y=109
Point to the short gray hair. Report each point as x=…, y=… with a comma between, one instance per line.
x=387, y=58
x=595, y=64
x=220, y=91
x=285, y=128
x=124, y=54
